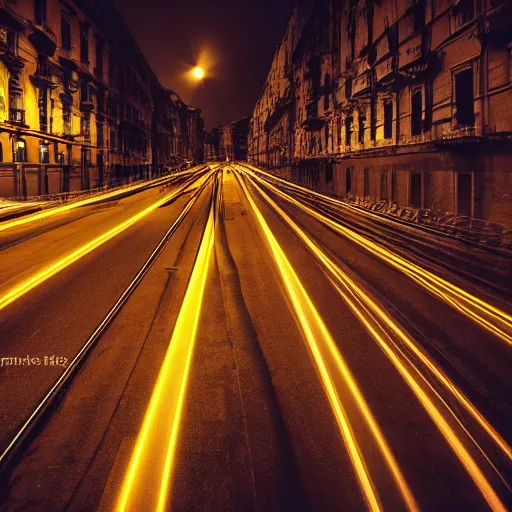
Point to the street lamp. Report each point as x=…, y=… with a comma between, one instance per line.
x=198, y=73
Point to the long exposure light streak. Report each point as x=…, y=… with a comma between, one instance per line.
x=321, y=345
x=362, y=304
x=43, y=275
x=369, y=302
x=57, y=210
x=484, y=314
x=155, y=449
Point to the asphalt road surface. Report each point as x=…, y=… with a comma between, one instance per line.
x=283, y=351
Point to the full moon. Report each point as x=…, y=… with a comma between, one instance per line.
x=198, y=73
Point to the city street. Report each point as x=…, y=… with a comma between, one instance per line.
x=221, y=339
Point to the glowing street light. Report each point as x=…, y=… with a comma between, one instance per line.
x=198, y=73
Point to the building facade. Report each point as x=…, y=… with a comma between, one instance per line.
x=79, y=105
x=397, y=100
x=227, y=142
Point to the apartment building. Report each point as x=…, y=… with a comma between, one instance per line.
x=398, y=100
x=79, y=105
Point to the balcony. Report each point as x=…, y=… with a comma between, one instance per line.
x=361, y=83
x=17, y=115
x=457, y=135
x=44, y=40
x=384, y=68
x=410, y=52
x=415, y=139
x=86, y=106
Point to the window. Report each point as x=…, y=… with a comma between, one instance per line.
x=20, y=150
x=464, y=102
x=44, y=152
x=362, y=122
x=84, y=44
x=329, y=173
x=348, y=180
x=384, y=185
x=99, y=57
x=394, y=191
x=388, y=119
x=43, y=110
x=16, y=110
x=86, y=155
x=416, y=189
x=86, y=127
x=416, y=112
x=327, y=88
x=366, y=181
x=111, y=68
x=464, y=12
x=464, y=194
x=373, y=121
x=112, y=140
x=419, y=15
x=40, y=12
x=66, y=118
x=84, y=91
x=99, y=134
x=65, y=32
x=348, y=131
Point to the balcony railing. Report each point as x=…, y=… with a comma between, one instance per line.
x=17, y=115
x=464, y=131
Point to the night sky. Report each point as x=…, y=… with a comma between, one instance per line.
x=239, y=37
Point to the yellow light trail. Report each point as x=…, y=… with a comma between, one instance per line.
x=365, y=304
x=321, y=344
x=368, y=302
x=155, y=449
x=77, y=204
x=484, y=314
x=43, y=275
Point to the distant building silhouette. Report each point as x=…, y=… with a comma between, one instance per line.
x=227, y=142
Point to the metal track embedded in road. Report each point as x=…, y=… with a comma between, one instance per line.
x=35, y=419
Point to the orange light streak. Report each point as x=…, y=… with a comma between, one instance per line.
x=484, y=314
x=43, y=275
x=155, y=450
x=368, y=305
x=321, y=343
x=77, y=204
